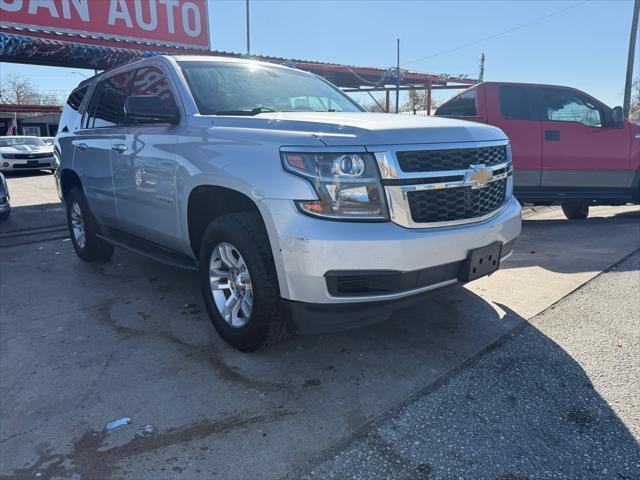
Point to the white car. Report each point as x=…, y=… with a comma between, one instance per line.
x=20, y=153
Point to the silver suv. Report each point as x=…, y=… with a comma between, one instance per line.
x=299, y=210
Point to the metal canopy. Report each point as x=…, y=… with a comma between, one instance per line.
x=24, y=48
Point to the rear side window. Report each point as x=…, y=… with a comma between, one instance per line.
x=107, y=103
x=514, y=103
x=464, y=105
x=69, y=115
x=152, y=81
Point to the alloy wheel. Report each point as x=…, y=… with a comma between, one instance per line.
x=77, y=225
x=230, y=285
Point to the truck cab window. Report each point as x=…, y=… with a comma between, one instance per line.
x=568, y=106
x=514, y=103
x=464, y=105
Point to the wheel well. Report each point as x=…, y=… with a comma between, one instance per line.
x=68, y=180
x=208, y=202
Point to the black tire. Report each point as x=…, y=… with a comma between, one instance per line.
x=94, y=249
x=266, y=324
x=4, y=215
x=575, y=210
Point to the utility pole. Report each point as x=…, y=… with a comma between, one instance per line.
x=398, y=77
x=248, y=34
x=481, y=75
x=632, y=53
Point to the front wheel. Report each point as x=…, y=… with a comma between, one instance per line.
x=83, y=230
x=239, y=283
x=575, y=210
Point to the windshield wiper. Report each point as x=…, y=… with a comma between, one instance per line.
x=252, y=112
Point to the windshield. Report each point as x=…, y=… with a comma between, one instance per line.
x=11, y=141
x=251, y=89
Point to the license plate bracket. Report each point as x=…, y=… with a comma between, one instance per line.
x=481, y=262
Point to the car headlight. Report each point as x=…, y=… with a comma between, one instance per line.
x=348, y=185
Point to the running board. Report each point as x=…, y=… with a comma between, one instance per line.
x=147, y=249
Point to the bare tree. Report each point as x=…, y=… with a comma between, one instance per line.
x=415, y=101
x=19, y=90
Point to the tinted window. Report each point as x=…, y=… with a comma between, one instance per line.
x=107, y=103
x=514, y=103
x=152, y=81
x=464, y=105
x=76, y=97
x=569, y=106
x=69, y=114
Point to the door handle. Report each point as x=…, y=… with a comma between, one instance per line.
x=82, y=146
x=119, y=147
x=552, y=135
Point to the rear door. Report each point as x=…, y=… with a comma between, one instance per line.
x=144, y=163
x=510, y=108
x=93, y=145
x=580, y=150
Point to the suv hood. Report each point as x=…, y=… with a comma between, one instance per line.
x=361, y=128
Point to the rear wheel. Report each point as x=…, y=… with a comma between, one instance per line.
x=575, y=210
x=239, y=283
x=83, y=229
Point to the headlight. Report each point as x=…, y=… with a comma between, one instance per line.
x=348, y=185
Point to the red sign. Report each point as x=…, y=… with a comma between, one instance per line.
x=171, y=23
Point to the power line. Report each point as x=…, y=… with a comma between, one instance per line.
x=504, y=32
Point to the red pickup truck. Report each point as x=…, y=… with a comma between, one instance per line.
x=568, y=147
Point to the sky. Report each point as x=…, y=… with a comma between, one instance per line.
x=579, y=43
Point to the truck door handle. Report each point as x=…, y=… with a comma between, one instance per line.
x=552, y=135
x=82, y=146
x=119, y=147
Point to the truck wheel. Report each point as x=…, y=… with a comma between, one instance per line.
x=575, y=210
x=239, y=283
x=83, y=228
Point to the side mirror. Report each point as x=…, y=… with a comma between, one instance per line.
x=617, y=117
x=149, y=109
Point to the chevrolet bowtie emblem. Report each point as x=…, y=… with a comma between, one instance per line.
x=478, y=176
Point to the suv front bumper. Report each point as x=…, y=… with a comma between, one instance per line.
x=305, y=249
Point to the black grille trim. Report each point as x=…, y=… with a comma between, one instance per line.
x=460, y=203
x=344, y=283
x=450, y=159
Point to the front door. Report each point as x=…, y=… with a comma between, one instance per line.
x=580, y=151
x=144, y=167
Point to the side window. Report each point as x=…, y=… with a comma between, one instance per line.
x=69, y=115
x=514, y=103
x=152, y=81
x=464, y=105
x=107, y=102
x=569, y=106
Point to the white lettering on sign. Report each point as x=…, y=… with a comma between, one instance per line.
x=34, y=5
x=10, y=5
x=186, y=8
x=80, y=6
x=119, y=14
x=153, y=13
x=170, y=5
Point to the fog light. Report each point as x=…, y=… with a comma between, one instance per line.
x=5, y=164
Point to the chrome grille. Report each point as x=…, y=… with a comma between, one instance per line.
x=461, y=203
x=450, y=159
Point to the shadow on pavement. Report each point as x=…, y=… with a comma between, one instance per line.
x=575, y=246
x=526, y=410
